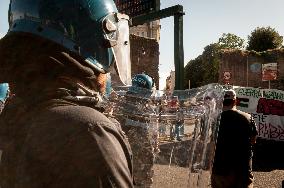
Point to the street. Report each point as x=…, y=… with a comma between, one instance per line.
x=268, y=164
x=176, y=177
x=268, y=169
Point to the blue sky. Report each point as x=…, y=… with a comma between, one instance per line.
x=204, y=23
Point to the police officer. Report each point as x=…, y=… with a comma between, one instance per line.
x=55, y=57
x=4, y=92
x=135, y=108
x=139, y=95
x=142, y=85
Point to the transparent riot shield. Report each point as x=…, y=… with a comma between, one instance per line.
x=172, y=136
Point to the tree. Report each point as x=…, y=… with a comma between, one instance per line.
x=205, y=68
x=231, y=41
x=264, y=38
x=194, y=72
x=210, y=59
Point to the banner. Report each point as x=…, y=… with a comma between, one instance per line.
x=267, y=108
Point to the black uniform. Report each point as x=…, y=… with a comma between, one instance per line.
x=234, y=149
x=48, y=136
x=233, y=156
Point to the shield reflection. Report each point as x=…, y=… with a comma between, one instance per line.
x=172, y=137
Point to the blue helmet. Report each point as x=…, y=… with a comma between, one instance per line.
x=143, y=81
x=142, y=85
x=91, y=28
x=4, y=91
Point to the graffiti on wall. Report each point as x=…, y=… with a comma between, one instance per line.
x=267, y=108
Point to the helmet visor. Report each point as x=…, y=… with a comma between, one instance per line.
x=122, y=51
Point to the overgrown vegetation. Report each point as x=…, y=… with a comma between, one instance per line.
x=205, y=68
x=231, y=41
x=264, y=38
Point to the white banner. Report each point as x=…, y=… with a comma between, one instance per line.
x=267, y=108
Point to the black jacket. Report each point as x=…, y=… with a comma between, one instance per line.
x=46, y=139
x=234, y=149
x=66, y=145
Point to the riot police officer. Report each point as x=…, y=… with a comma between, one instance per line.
x=55, y=57
x=136, y=110
x=4, y=92
x=142, y=86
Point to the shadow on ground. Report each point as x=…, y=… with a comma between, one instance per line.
x=268, y=155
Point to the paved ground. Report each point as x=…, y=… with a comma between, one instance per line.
x=268, y=169
x=268, y=164
x=272, y=179
x=177, y=177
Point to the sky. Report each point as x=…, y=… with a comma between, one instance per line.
x=204, y=23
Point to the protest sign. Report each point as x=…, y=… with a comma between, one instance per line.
x=267, y=108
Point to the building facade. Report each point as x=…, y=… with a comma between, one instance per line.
x=149, y=30
x=170, y=83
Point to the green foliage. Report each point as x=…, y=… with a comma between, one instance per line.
x=205, y=68
x=210, y=59
x=264, y=38
x=193, y=71
x=211, y=51
x=231, y=41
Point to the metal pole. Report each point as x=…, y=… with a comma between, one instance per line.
x=178, y=51
x=157, y=15
x=177, y=12
x=247, y=71
x=158, y=5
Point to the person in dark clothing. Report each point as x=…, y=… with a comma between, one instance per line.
x=233, y=156
x=179, y=124
x=55, y=58
x=4, y=93
x=136, y=105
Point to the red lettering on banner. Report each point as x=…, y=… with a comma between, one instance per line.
x=270, y=107
x=271, y=131
x=263, y=130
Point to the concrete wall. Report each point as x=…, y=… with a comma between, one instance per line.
x=245, y=67
x=147, y=30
